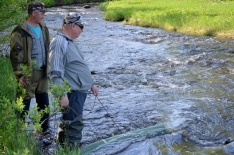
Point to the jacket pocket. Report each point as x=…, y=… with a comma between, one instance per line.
x=19, y=49
x=79, y=81
x=35, y=46
x=85, y=81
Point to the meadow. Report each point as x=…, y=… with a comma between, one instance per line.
x=200, y=17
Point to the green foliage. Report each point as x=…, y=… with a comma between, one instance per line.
x=59, y=91
x=11, y=12
x=13, y=137
x=35, y=117
x=8, y=82
x=26, y=71
x=206, y=17
x=49, y=3
x=68, y=151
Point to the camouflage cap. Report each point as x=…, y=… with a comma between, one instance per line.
x=72, y=17
x=36, y=6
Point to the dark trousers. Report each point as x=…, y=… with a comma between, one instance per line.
x=72, y=117
x=42, y=101
x=76, y=104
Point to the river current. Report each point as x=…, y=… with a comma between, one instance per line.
x=149, y=77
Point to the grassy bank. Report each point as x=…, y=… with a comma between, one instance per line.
x=201, y=17
x=13, y=139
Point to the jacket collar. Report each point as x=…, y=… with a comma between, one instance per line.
x=64, y=35
x=24, y=26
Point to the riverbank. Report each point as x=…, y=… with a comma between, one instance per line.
x=207, y=17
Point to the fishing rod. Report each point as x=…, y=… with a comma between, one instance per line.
x=108, y=114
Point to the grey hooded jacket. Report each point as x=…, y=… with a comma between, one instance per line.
x=66, y=61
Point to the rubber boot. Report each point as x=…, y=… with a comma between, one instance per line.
x=74, y=131
x=61, y=134
x=42, y=100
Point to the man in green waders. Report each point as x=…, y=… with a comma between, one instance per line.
x=66, y=61
x=30, y=42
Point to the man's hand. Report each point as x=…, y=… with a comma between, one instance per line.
x=94, y=90
x=64, y=102
x=22, y=82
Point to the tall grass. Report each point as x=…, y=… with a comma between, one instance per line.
x=202, y=17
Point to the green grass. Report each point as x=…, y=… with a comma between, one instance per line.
x=13, y=138
x=201, y=17
x=8, y=82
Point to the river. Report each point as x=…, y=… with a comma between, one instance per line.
x=151, y=77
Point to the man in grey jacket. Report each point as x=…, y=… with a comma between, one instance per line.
x=66, y=61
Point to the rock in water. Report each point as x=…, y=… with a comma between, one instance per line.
x=87, y=6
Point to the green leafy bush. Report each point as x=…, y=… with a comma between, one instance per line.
x=12, y=12
x=49, y=3
x=13, y=137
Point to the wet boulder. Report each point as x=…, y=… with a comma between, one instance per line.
x=87, y=6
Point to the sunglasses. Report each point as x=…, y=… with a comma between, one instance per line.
x=80, y=25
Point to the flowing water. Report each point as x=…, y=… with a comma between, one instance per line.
x=150, y=78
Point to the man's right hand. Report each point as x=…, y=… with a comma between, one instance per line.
x=22, y=82
x=64, y=102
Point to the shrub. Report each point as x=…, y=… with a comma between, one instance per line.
x=13, y=138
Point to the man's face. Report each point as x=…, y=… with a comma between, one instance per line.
x=77, y=30
x=38, y=16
